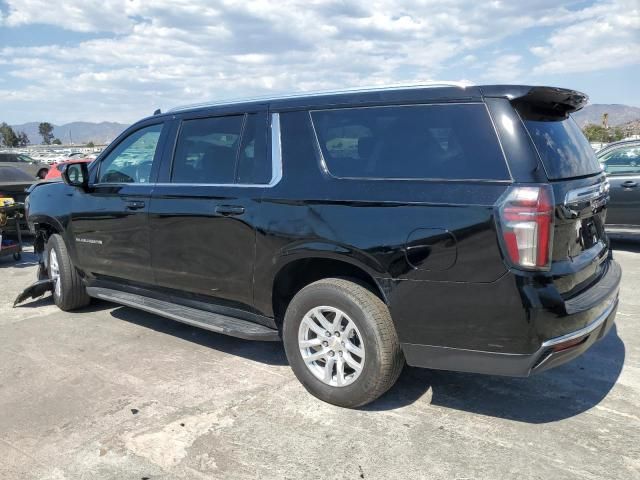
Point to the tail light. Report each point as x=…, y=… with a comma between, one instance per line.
x=525, y=216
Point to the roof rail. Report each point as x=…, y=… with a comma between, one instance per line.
x=322, y=92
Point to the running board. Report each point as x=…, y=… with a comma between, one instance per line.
x=214, y=322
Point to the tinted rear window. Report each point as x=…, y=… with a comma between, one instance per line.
x=206, y=150
x=563, y=148
x=455, y=141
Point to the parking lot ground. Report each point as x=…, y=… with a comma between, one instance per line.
x=114, y=393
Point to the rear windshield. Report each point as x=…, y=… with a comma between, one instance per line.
x=454, y=141
x=563, y=148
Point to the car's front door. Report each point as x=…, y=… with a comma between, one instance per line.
x=203, y=210
x=109, y=221
x=622, y=166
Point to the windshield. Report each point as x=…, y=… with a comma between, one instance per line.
x=563, y=148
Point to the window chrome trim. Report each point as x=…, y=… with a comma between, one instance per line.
x=276, y=164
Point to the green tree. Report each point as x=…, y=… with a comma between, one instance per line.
x=23, y=139
x=597, y=133
x=90, y=145
x=56, y=141
x=8, y=136
x=46, y=131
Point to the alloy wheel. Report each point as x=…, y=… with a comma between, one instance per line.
x=331, y=346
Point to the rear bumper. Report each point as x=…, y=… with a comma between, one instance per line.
x=550, y=354
x=599, y=304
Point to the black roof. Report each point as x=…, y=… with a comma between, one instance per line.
x=565, y=99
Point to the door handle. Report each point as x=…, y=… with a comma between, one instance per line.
x=629, y=184
x=229, y=210
x=135, y=205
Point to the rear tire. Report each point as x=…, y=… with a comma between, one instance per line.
x=356, y=365
x=69, y=292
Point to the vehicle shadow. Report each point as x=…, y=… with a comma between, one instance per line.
x=553, y=395
x=270, y=353
x=626, y=245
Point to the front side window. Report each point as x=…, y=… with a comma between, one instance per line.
x=132, y=159
x=8, y=158
x=455, y=141
x=622, y=161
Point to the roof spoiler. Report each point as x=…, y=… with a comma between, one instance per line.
x=540, y=101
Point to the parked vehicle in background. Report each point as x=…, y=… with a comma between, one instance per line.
x=621, y=163
x=457, y=228
x=13, y=184
x=26, y=164
x=56, y=168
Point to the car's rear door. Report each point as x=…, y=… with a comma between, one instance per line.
x=203, y=210
x=622, y=166
x=109, y=220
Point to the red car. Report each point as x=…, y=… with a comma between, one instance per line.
x=56, y=169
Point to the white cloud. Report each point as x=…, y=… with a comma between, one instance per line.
x=503, y=69
x=168, y=52
x=605, y=35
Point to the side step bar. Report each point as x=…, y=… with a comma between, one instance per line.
x=214, y=322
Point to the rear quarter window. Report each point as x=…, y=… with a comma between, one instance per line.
x=452, y=141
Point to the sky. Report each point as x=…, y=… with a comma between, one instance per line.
x=119, y=60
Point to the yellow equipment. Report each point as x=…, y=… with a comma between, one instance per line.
x=4, y=202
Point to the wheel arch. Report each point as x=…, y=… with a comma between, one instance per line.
x=296, y=271
x=44, y=226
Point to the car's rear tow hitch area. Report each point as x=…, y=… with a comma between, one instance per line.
x=34, y=290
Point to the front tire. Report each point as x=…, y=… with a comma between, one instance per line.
x=341, y=343
x=69, y=292
x=42, y=173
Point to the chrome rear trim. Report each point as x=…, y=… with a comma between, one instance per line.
x=586, y=194
x=583, y=331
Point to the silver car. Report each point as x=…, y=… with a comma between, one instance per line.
x=25, y=163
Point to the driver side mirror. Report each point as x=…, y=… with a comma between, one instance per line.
x=76, y=175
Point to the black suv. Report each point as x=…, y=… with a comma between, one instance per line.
x=456, y=228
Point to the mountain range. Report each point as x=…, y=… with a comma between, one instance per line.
x=75, y=132
x=105, y=132
x=618, y=114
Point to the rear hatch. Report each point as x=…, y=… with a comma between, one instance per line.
x=579, y=246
